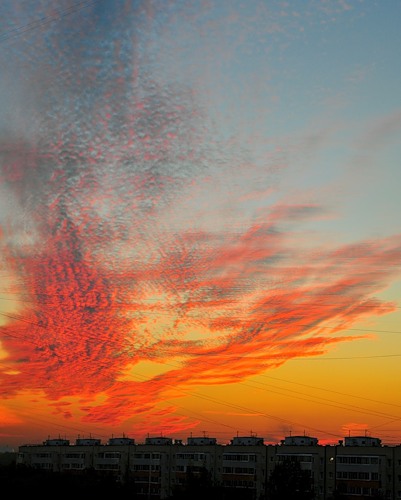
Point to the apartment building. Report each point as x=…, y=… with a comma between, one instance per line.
x=365, y=469
x=243, y=465
x=357, y=467
x=306, y=451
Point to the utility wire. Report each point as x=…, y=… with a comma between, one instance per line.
x=44, y=21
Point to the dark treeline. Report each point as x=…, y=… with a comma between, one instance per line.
x=25, y=480
x=287, y=482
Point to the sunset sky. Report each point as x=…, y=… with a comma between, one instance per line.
x=200, y=225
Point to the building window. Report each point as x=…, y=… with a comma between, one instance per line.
x=239, y=457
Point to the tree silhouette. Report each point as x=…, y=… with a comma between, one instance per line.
x=289, y=481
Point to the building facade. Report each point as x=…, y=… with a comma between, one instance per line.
x=357, y=468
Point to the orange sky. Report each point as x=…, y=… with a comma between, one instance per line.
x=184, y=350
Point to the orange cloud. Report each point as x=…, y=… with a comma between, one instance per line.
x=254, y=303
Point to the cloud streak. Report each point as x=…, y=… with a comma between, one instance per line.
x=228, y=309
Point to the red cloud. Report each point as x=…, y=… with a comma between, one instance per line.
x=253, y=303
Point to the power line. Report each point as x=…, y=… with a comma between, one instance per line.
x=274, y=302
x=314, y=358
x=243, y=408
x=44, y=21
x=273, y=325
x=329, y=390
x=263, y=413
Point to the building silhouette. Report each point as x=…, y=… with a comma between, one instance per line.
x=358, y=467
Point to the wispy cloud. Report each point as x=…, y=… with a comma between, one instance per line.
x=135, y=230
x=230, y=308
